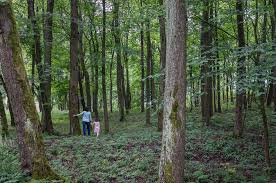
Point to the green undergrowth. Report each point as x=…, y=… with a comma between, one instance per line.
x=130, y=152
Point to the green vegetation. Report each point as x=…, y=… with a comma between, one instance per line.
x=130, y=152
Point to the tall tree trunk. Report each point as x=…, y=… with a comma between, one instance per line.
x=128, y=91
x=206, y=81
x=28, y=127
x=239, y=116
x=162, y=29
x=106, y=122
x=111, y=83
x=74, y=71
x=148, y=80
x=95, y=71
x=117, y=35
x=36, y=39
x=9, y=103
x=142, y=100
x=48, y=40
x=83, y=67
x=80, y=79
x=36, y=54
x=173, y=138
x=262, y=96
x=274, y=56
x=218, y=84
x=269, y=94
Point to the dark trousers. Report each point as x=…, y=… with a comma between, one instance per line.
x=84, y=126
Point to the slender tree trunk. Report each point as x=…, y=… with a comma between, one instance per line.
x=36, y=54
x=269, y=94
x=116, y=34
x=28, y=127
x=106, y=122
x=227, y=89
x=262, y=96
x=80, y=79
x=142, y=63
x=239, y=116
x=173, y=138
x=9, y=103
x=83, y=67
x=128, y=91
x=3, y=119
x=96, y=70
x=48, y=40
x=74, y=71
x=35, y=50
x=206, y=81
x=274, y=55
x=214, y=91
x=111, y=83
x=162, y=29
x=148, y=80
x=218, y=84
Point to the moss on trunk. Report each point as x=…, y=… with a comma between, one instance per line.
x=32, y=128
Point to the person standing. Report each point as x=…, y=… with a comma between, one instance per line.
x=86, y=120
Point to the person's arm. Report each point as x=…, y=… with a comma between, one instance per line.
x=78, y=114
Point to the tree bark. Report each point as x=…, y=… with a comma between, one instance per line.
x=80, y=79
x=106, y=122
x=148, y=75
x=28, y=127
x=74, y=71
x=142, y=99
x=239, y=116
x=262, y=96
x=95, y=69
x=128, y=91
x=116, y=34
x=162, y=29
x=111, y=83
x=218, y=84
x=173, y=139
x=48, y=40
x=274, y=56
x=206, y=81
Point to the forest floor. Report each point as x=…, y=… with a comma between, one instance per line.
x=130, y=153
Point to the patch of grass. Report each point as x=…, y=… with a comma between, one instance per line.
x=130, y=152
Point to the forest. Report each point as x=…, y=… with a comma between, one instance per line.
x=144, y=91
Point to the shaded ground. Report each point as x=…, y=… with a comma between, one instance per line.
x=130, y=153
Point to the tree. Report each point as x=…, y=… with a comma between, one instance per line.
x=173, y=139
x=206, y=81
x=142, y=99
x=120, y=76
x=148, y=72
x=162, y=29
x=47, y=79
x=28, y=127
x=106, y=122
x=274, y=55
x=74, y=73
x=128, y=90
x=238, y=129
x=3, y=118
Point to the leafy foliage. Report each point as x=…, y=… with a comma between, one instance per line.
x=130, y=153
